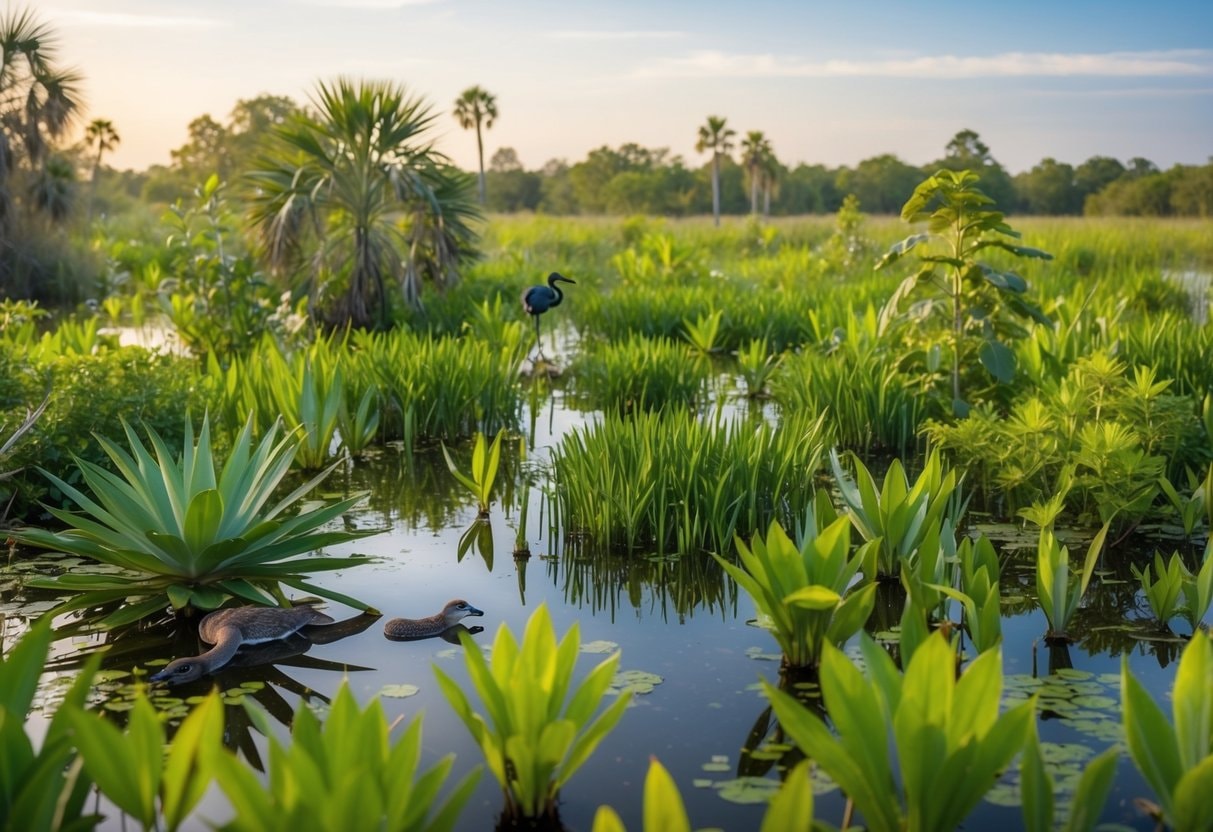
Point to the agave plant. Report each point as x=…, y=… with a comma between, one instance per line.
x=539, y=729
x=187, y=534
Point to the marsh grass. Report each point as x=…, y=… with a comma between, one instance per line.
x=640, y=374
x=678, y=484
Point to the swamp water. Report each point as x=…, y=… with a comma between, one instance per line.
x=689, y=648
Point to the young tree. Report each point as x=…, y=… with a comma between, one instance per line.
x=357, y=195
x=101, y=134
x=477, y=108
x=716, y=137
x=755, y=148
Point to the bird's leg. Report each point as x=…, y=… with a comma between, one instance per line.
x=538, y=339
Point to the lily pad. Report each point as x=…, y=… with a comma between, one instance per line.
x=748, y=789
x=399, y=691
x=638, y=681
x=599, y=646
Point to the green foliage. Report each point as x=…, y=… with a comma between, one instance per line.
x=346, y=773
x=979, y=302
x=485, y=459
x=899, y=517
x=216, y=298
x=949, y=739
x=1037, y=789
x=1163, y=587
x=188, y=534
x=640, y=374
x=804, y=591
x=1198, y=590
x=1059, y=595
x=756, y=367
x=1176, y=759
x=701, y=333
x=42, y=789
x=537, y=729
x=681, y=484
x=790, y=810
x=132, y=768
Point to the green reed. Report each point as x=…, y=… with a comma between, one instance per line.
x=640, y=374
x=678, y=484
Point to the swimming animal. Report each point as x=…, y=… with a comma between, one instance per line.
x=409, y=629
x=228, y=629
x=539, y=299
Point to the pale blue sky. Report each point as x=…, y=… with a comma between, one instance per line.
x=828, y=82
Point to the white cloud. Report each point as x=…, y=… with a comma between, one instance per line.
x=369, y=4
x=125, y=20
x=1188, y=62
x=595, y=34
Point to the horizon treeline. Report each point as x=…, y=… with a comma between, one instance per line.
x=633, y=179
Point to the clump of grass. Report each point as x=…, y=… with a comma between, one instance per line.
x=679, y=484
x=640, y=374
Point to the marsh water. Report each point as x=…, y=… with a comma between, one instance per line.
x=679, y=621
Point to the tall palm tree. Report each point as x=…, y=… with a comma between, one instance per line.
x=101, y=133
x=477, y=108
x=38, y=103
x=355, y=195
x=770, y=180
x=718, y=138
x=755, y=148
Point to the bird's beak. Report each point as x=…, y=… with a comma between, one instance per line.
x=474, y=611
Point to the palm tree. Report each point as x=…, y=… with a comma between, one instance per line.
x=100, y=132
x=716, y=137
x=354, y=195
x=755, y=148
x=477, y=108
x=38, y=103
x=770, y=180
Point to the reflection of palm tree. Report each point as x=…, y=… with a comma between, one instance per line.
x=336, y=187
x=717, y=138
x=100, y=133
x=477, y=108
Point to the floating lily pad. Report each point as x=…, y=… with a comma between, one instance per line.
x=253, y=684
x=748, y=789
x=1073, y=674
x=1094, y=701
x=702, y=783
x=761, y=655
x=399, y=691
x=599, y=646
x=118, y=705
x=110, y=675
x=638, y=681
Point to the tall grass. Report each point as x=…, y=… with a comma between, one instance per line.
x=674, y=483
x=640, y=374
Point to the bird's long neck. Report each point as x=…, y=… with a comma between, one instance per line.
x=226, y=644
x=559, y=294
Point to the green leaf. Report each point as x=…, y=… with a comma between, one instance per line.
x=998, y=360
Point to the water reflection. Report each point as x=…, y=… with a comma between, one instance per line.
x=666, y=585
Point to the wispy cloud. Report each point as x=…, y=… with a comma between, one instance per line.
x=1187, y=62
x=368, y=4
x=125, y=20
x=597, y=34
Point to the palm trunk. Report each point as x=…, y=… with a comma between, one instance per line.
x=753, y=193
x=480, y=153
x=716, y=188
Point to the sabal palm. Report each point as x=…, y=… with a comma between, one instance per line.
x=38, y=100
x=477, y=108
x=360, y=190
x=718, y=138
x=755, y=148
x=101, y=134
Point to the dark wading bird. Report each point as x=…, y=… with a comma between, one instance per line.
x=539, y=299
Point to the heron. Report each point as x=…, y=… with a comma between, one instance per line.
x=539, y=299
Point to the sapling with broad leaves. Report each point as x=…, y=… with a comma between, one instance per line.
x=982, y=305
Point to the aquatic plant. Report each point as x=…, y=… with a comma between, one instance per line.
x=899, y=516
x=756, y=367
x=188, y=534
x=1059, y=595
x=679, y=483
x=804, y=591
x=537, y=728
x=949, y=739
x=44, y=787
x=640, y=374
x=702, y=332
x=1036, y=787
x=1198, y=590
x=1196, y=506
x=133, y=769
x=1163, y=586
x=790, y=809
x=1175, y=758
x=485, y=461
x=344, y=773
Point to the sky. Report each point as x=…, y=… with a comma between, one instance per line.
x=828, y=83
